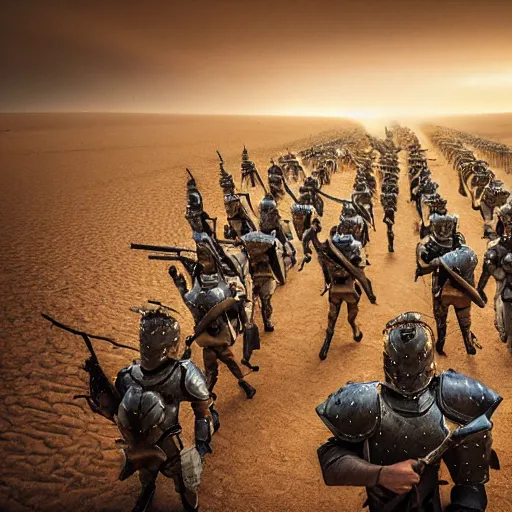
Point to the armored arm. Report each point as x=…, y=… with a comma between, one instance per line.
x=352, y=415
x=489, y=266
x=195, y=390
x=342, y=464
x=462, y=399
x=123, y=381
x=427, y=260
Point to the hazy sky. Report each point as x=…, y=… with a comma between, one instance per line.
x=338, y=57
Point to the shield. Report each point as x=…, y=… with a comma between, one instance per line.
x=214, y=313
x=464, y=286
x=276, y=260
x=355, y=272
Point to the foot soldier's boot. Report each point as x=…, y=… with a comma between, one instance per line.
x=187, y=506
x=327, y=343
x=249, y=390
x=468, y=342
x=215, y=418
x=441, y=338
x=266, y=313
x=145, y=498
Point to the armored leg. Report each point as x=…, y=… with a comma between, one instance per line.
x=266, y=290
x=353, y=310
x=391, y=238
x=440, y=315
x=228, y=358
x=464, y=319
x=147, y=477
x=173, y=469
x=211, y=367
x=503, y=319
x=334, y=311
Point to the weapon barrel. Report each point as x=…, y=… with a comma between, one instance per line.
x=228, y=242
x=164, y=257
x=159, y=248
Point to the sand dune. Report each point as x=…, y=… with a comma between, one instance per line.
x=76, y=190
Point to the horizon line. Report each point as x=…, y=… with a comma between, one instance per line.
x=217, y=114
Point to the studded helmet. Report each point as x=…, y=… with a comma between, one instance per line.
x=409, y=364
x=443, y=227
x=159, y=334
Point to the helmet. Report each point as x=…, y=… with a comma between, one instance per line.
x=194, y=210
x=269, y=214
x=232, y=204
x=409, y=363
x=206, y=254
x=348, y=209
x=159, y=333
x=268, y=204
x=443, y=227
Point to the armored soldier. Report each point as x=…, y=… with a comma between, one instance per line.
x=221, y=310
x=494, y=196
x=238, y=216
x=498, y=263
x=305, y=206
x=342, y=264
x=430, y=204
x=145, y=402
x=151, y=391
x=444, y=254
x=362, y=200
x=321, y=174
x=352, y=223
x=391, y=436
x=271, y=222
x=388, y=199
x=267, y=270
x=276, y=181
x=195, y=215
x=251, y=179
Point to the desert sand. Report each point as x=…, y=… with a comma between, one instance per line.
x=75, y=191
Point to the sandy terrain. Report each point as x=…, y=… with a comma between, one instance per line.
x=76, y=190
x=496, y=127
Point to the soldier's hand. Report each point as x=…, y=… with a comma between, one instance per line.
x=203, y=448
x=399, y=477
x=173, y=271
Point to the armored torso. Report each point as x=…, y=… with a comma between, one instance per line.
x=176, y=381
x=208, y=291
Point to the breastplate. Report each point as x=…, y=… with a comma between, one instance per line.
x=403, y=436
x=168, y=384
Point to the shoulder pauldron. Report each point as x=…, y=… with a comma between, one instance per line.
x=462, y=399
x=353, y=412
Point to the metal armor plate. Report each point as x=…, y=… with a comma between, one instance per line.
x=462, y=399
x=405, y=436
x=353, y=412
